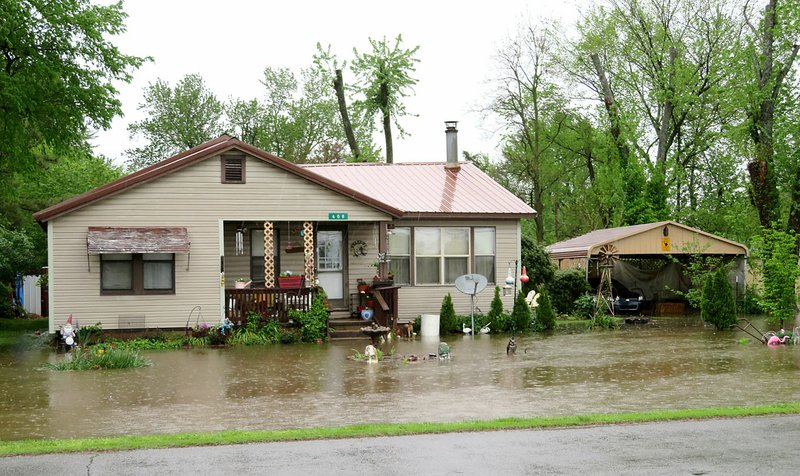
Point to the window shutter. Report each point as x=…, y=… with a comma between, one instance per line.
x=233, y=170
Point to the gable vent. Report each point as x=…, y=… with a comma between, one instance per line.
x=233, y=169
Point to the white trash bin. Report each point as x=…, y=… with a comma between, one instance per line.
x=429, y=325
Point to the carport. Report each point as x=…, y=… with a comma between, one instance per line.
x=651, y=258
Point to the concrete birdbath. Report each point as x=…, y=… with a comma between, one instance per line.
x=375, y=331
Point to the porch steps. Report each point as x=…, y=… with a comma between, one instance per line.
x=347, y=328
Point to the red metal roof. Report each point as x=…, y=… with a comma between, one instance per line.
x=428, y=189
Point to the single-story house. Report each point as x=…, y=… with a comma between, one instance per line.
x=650, y=258
x=168, y=243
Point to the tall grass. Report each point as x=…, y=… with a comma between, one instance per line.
x=89, y=359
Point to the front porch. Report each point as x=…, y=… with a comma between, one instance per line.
x=270, y=303
x=256, y=253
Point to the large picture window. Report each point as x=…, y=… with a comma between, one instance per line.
x=127, y=273
x=442, y=254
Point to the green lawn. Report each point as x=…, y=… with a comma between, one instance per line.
x=26, y=447
x=12, y=329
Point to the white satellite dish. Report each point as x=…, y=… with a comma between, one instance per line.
x=471, y=284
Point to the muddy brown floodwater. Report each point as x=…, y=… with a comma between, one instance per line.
x=667, y=364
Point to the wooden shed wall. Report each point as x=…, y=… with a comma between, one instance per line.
x=682, y=241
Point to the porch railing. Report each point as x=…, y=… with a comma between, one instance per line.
x=270, y=303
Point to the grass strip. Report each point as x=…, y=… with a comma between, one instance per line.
x=31, y=447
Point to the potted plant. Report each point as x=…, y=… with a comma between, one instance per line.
x=242, y=283
x=362, y=286
x=288, y=280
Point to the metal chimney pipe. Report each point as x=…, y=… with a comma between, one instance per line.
x=451, y=136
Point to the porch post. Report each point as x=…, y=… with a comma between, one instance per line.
x=269, y=258
x=308, y=251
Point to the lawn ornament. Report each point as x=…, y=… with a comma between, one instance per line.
x=511, y=348
x=444, y=350
x=466, y=330
x=371, y=353
x=775, y=340
x=484, y=329
x=68, y=333
x=533, y=299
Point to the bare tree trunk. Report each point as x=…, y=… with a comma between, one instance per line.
x=338, y=85
x=665, y=129
x=387, y=134
x=613, y=113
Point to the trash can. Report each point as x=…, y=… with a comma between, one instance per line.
x=429, y=325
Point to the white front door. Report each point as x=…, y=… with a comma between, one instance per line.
x=330, y=264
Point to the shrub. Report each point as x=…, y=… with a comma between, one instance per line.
x=776, y=255
x=603, y=319
x=751, y=302
x=496, y=308
x=88, y=335
x=417, y=325
x=314, y=322
x=583, y=307
x=100, y=358
x=567, y=286
x=448, y=322
x=521, y=314
x=545, y=316
x=717, y=306
x=288, y=337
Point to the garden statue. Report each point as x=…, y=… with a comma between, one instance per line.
x=371, y=353
x=511, y=348
x=68, y=333
x=533, y=299
x=443, y=351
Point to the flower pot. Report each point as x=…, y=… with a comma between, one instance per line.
x=362, y=288
x=291, y=282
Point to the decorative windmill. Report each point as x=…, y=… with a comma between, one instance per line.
x=606, y=256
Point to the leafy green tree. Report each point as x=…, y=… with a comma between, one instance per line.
x=385, y=80
x=538, y=266
x=545, y=316
x=179, y=118
x=58, y=68
x=448, y=321
x=717, y=306
x=776, y=259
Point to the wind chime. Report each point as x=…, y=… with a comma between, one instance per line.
x=291, y=246
x=606, y=256
x=239, y=240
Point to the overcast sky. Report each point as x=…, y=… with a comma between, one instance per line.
x=230, y=42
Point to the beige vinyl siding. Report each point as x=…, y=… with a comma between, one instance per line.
x=194, y=198
x=427, y=299
x=682, y=241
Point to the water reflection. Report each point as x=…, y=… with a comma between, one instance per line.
x=670, y=363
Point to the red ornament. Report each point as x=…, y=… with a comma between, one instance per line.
x=524, y=277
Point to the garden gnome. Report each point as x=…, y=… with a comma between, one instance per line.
x=68, y=332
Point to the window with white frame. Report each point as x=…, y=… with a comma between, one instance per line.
x=257, y=256
x=441, y=254
x=484, y=250
x=400, y=254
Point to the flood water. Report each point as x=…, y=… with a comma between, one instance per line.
x=666, y=364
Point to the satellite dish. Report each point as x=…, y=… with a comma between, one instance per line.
x=471, y=284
